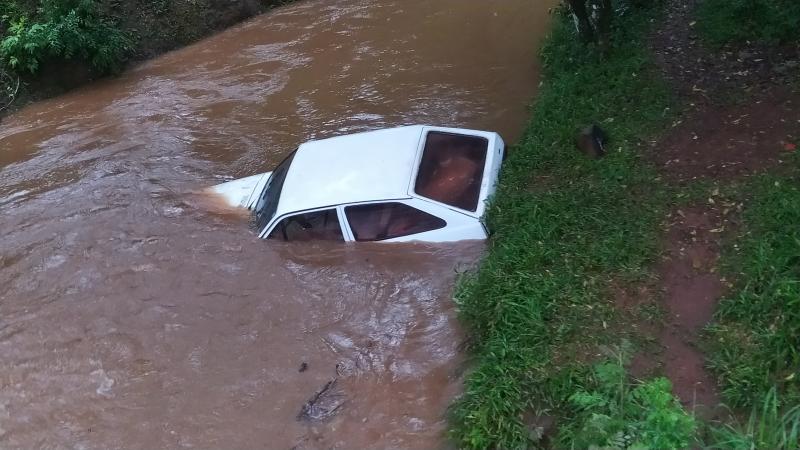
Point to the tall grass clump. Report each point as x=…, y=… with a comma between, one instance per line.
x=770, y=426
x=563, y=228
x=755, y=339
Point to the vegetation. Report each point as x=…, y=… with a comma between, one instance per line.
x=617, y=415
x=62, y=29
x=756, y=337
x=766, y=428
x=103, y=35
x=591, y=27
x=564, y=226
x=50, y=46
x=594, y=18
x=769, y=21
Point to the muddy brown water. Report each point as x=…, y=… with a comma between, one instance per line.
x=136, y=313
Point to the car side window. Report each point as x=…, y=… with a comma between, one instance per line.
x=311, y=226
x=381, y=221
x=451, y=169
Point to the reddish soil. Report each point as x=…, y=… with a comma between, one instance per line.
x=741, y=108
x=742, y=117
x=726, y=141
x=687, y=290
x=691, y=287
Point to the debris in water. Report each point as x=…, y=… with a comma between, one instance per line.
x=324, y=404
x=303, y=367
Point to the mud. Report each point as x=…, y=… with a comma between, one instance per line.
x=742, y=104
x=137, y=313
x=728, y=141
x=686, y=291
x=691, y=288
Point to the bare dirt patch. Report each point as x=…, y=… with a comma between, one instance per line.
x=687, y=291
x=743, y=108
x=719, y=142
x=691, y=287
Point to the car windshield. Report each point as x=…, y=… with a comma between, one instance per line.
x=268, y=200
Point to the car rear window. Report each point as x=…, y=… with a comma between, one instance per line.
x=381, y=221
x=451, y=169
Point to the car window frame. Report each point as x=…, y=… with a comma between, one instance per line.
x=416, y=203
x=488, y=166
x=267, y=184
x=346, y=236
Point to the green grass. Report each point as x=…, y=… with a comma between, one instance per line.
x=731, y=21
x=768, y=427
x=107, y=34
x=755, y=339
x=618, y=414
x=564, y=227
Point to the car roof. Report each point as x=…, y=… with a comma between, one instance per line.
x=354, y=168
x=362, y=167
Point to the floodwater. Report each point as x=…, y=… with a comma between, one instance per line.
x=136, y=313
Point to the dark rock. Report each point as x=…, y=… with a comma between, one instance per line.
x=591, y=141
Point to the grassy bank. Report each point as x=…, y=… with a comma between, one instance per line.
x=50, y=46
x=551, y=346
x=566, y=229
x=754, y=342
x=756, y=338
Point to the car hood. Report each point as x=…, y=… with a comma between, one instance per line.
x=244, y=192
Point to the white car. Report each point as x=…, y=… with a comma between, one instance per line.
x=414, y=183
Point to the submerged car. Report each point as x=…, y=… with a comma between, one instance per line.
x=414, y=183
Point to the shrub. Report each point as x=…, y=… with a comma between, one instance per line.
x=615, y=414
x=64, y=29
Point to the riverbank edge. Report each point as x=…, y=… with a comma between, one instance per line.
x=569, y=233
x=154, y=33
x=573, y=282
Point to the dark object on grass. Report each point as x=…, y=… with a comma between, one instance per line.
x=303, y=367
x=592, y=141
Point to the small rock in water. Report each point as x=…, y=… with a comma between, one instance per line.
x=303, y=367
